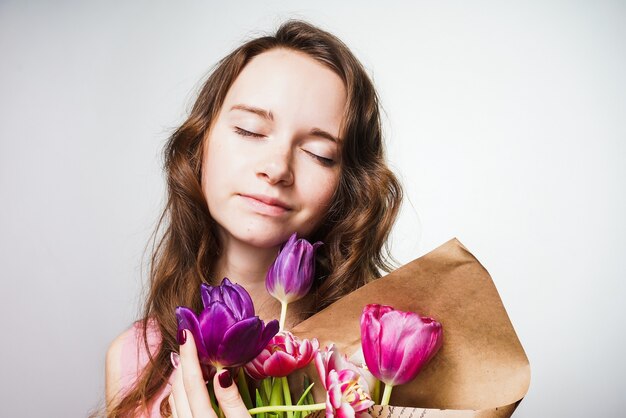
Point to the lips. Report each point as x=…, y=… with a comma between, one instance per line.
x=266, y=205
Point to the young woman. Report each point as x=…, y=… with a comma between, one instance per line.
x=284, y=137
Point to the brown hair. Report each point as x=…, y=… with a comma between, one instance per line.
x=354, y=230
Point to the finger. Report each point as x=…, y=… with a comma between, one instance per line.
x=197, y=394
x=179, y=396
x=170, y=400
x=228, y=396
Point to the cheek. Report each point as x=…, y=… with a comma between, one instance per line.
x=214, y=172
x=320, y=192
x=220, y=153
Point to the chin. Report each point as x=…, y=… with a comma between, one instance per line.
x=264, y=233
x=261, y=237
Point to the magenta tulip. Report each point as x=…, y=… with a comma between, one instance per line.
x=283, y=355
x=396, y=344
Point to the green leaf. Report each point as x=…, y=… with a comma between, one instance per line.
x=259, y=403
x=286, y=394
x=242, y=385
x=309, y=399
x=216, y=408
x=303, y=398
x=266, y=389
x=276, y=394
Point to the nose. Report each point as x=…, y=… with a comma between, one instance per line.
x=275, y=167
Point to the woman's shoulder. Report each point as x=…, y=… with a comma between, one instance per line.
x=113, y=366
x=127, y=356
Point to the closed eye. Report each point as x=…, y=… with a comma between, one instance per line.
x=328, y=162
x=243, y=132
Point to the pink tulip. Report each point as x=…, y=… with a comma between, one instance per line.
x=396, y=344
x=284, y=354
x=347, y=392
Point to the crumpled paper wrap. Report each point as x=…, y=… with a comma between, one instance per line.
x=481, y=369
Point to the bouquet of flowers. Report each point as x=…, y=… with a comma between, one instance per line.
x=395, y=345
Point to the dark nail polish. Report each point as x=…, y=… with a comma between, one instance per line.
x=175, y=358
x=225, y=379
x=181, y=336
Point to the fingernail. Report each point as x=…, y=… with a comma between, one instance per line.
x=181, y=335
x=225, y=379
x=175, y=358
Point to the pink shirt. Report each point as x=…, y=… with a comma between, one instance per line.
x=135, y=358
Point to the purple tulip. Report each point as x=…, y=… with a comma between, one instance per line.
x=226, y=333
x=291, y=275
x=396, y=344
x=232, y=295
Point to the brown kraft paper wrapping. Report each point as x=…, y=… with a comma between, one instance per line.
x=481, y=369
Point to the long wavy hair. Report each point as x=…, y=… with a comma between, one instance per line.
x=354, y=231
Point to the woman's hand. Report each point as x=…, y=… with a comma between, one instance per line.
x=190, y=398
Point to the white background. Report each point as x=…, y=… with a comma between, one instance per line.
x=505, y=121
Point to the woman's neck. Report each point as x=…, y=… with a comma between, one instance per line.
x=247, y=266
x=244, y=264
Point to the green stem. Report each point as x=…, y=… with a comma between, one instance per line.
x=386, y=395
x=285, y=408
x=209, y=387
x=242, y=384
x=283, y=314
x=276, y=395
x=217, y=409
x=287, y=395
x=376, y=392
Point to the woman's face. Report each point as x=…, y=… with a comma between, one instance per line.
x=273, y=157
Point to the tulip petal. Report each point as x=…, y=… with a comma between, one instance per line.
x=214, y=323
x=292, y=239
x=320, y=366
x=243, y=341
x=205, y=294
x=421, y=347
x=216, y=293
x=271, y=329
x=232, y=295
x=345, y=411
x=239, y=300
x=370, y=338
x=187, y=319
x=334, y=389
x=395, y=338
x=279, y=364
x=254, y=368
x=330, y=411
x=289, y=273
x=304, y=352
x=412, y=349
x=425, y=344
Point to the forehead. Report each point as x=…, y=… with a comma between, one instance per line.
x=296, y=88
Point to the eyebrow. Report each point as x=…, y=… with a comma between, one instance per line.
x=267, y=114
x=256, y=110
x=323, y=134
